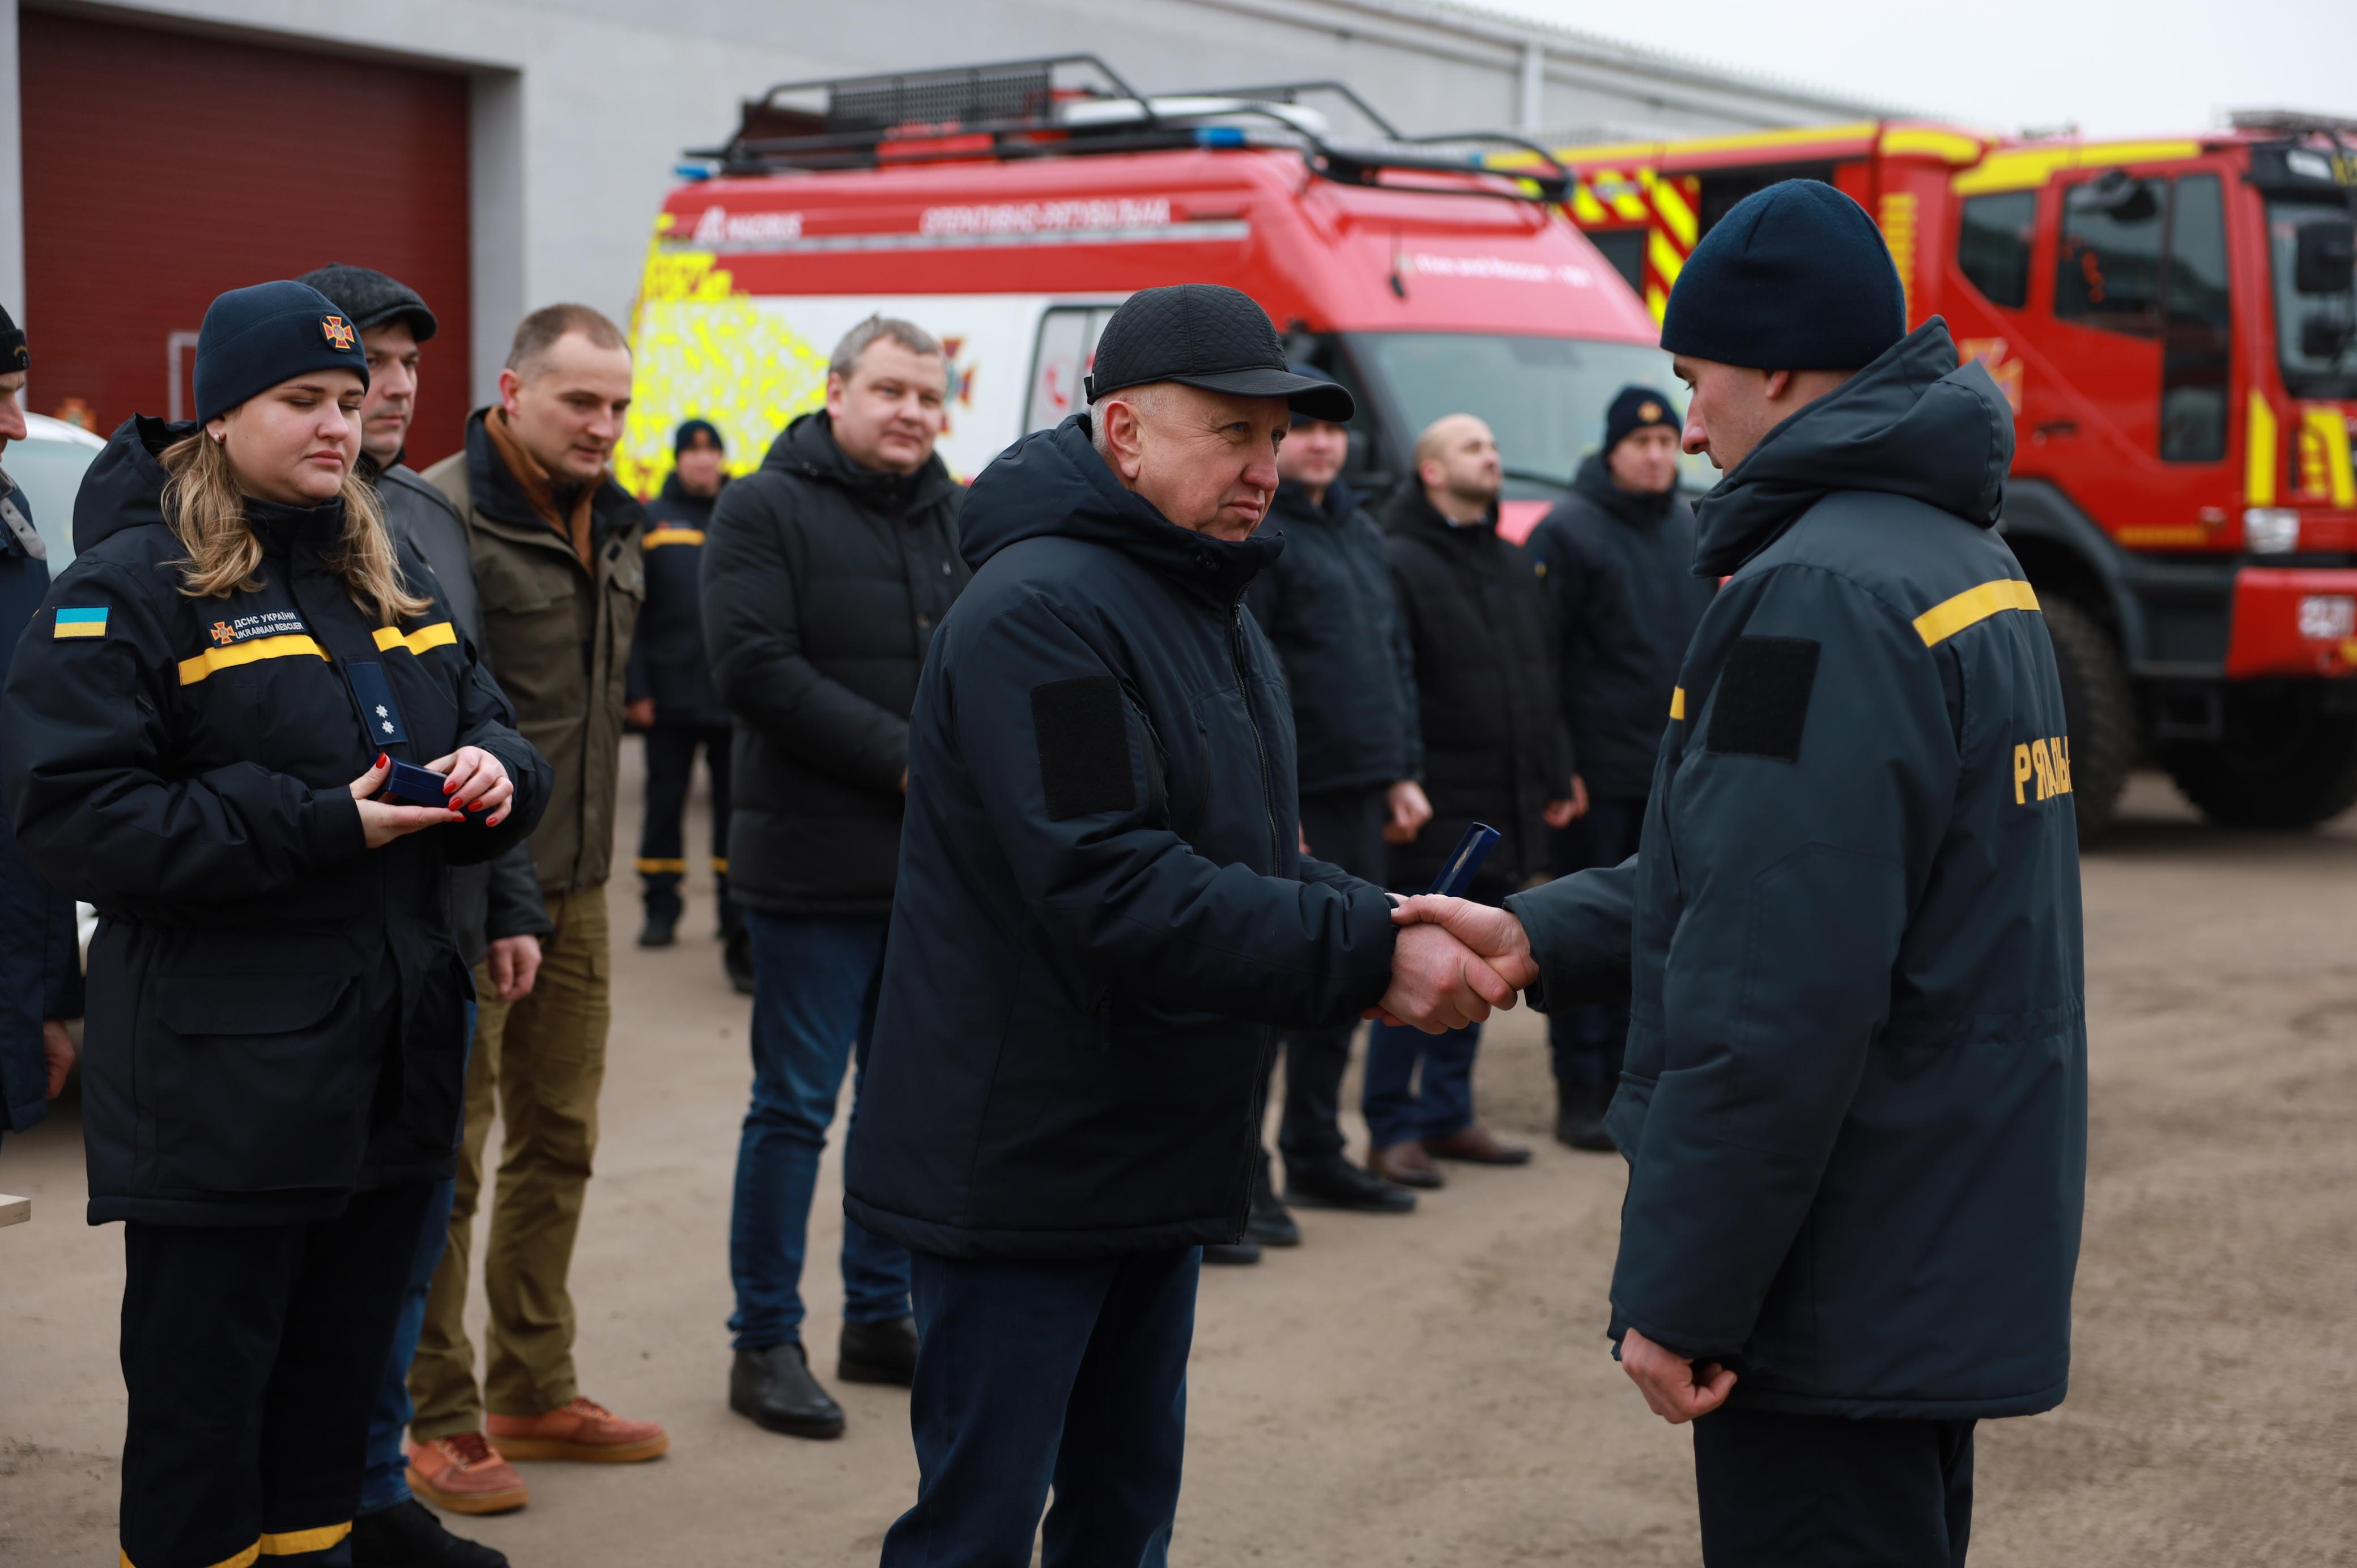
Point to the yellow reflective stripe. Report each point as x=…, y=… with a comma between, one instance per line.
x=1586, y=210
x=243, y=1560
x=1803, y=135
x=672, y=536
x=2026, y=169
x=1972, y=606
x=287, y=645
x=652, y=867
x=1664, y=255
x=1678, y=216
x=2330, y=428
x=720, y=865
x=1925, y=141
x=1677, y=704
x=2259, y=460
x=289, y=1543
x=441, y=634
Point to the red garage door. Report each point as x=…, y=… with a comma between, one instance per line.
x=162, y=168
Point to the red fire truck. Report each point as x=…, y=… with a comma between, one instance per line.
x=1009, y=207
x=2175, y=322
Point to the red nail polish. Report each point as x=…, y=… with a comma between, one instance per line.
x=382, y=759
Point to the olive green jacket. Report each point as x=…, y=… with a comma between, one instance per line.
x=559, y=635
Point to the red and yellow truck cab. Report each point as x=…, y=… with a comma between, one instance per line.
x=1008, y=211
x=2175, y=323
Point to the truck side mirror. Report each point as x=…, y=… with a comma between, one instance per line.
x=2325, y=337
x=2326, y=261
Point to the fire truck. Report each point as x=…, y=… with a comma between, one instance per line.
x=2174, y=324
x=1008, y=208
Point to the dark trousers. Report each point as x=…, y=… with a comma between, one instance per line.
x=1419, y=1084
x=1069, y=1374
x=253, y=1355
x=386, y=1481
x=662, y=854
x=1344, y=827
x=1586, y=1043
x=1826, y=1491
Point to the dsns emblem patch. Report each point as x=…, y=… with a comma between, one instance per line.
x=336, y=330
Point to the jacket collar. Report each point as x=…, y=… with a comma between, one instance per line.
x=1594, y=482
x=494, y=494
x=1412, y=513
x=807, y=449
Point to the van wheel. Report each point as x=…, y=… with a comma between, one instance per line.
x=2100, y=707
x=2283, y=763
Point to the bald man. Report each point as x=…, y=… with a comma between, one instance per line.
x=1495, y=751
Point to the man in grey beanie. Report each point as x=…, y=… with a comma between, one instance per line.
x=1854, y=1105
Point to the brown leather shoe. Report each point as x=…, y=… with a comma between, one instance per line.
x=1476, y=1145
x=583, y=1429
x=463, y=1474
x=1405, y=1164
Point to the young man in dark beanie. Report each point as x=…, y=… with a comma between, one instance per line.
x=1618, y=559
x=1855, y=1102
x=496, y=908
x=41, y=960
x=671, y=699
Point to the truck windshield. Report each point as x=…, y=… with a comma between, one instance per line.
x=2316, y=328
x=1543, y=397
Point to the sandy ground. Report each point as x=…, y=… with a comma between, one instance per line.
x=1434, y=1388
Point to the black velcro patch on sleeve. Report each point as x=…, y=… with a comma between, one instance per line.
x=1763, y=698
x=1083, y=728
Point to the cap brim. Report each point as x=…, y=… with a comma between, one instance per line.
x=1306, y=396
x=420, y=320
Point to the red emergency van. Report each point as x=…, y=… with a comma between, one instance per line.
x=1008, y=208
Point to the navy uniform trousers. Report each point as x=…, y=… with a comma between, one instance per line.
x=1345, y=827
x=1828, y=1492
x=663, y=850
x=1030, y=1374
x=253, y=1355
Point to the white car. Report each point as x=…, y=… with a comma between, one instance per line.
x=48, y=466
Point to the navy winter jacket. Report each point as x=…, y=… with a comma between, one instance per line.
x=1855, y=1102
x=1104, y=912
x=1327, y=605
x=277, y=1013
x=1619, y=568
x=667, y=658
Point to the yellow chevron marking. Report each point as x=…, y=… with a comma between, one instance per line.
x=2328, y=428
x=441, y=634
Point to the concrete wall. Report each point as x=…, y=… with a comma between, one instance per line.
x=580, y=108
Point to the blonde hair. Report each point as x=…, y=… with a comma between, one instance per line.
x=205, y=511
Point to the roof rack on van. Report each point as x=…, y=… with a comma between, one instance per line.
x=1017, y=109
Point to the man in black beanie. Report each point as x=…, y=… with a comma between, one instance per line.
x=1618, y=564
x=1855, y=1100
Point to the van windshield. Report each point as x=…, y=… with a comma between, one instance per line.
x=1544, y=397
x=2316, y=327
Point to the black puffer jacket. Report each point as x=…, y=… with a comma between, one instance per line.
x=1855, y=1109
x=1103, y=907
x=1485, y=655
x=823, y=586
x=1620, y=569
x=667, y=658
x=1329, y=607
x=276, y=1012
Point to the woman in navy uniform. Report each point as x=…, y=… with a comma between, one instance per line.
x=198, y=730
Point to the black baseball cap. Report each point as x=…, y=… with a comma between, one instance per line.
x=370, y=298
x=1206, y=335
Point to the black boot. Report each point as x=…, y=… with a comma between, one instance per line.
x=1267, y=1222
x=1579, y=1116
x=774, y=1387
x=1341, y=1185
x=663, y=903
x=410, y=1535
x=882, y=1352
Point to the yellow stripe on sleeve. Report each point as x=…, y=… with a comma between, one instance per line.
x=212, y=661
x=1677, y=704
x=656, y=536
x=441, y=634
x=1972, y=606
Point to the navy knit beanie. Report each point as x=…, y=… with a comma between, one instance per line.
x=1633, y=409
x=689, y=429
x=1795, y=277
x=255, y=337
x=14, y=355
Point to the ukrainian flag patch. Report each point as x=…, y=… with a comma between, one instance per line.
x=81, y=623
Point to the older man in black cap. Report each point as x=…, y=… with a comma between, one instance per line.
x=1104, y=916
x=1618, y=555
x=1855, y=1108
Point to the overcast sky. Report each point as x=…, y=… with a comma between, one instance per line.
x=2113, y=66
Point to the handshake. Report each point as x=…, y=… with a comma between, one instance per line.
x=1454, y=964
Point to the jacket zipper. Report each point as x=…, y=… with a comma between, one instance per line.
x=1276, y=859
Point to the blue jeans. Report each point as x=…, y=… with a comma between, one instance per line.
x=1069, y=1374
x=1402, y=1105
x=814, y=985
x=385, y=1482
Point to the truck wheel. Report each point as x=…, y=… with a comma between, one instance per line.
x=2283, y=764
x=2100, y=707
